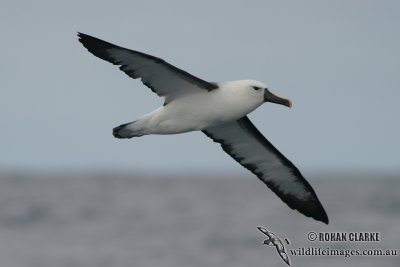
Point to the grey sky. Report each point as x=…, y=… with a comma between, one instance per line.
x=338, y=61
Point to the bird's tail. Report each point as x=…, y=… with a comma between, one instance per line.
x=126, y=131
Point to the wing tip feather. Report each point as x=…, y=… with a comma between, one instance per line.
x=97, y=46
x=321, y=215
x=311, y=208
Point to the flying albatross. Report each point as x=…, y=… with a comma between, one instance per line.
x=218, y=110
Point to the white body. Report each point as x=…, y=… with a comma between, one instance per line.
x=231, y=101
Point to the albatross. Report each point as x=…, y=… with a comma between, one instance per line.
x=219, y=110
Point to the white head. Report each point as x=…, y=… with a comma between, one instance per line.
x=255, y=93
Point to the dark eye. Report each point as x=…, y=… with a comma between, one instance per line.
x=256, y=88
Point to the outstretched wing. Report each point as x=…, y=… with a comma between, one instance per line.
x=266, y=232
x=243, y=142
x=161, y=77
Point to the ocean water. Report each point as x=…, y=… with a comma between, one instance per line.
x=135, y=220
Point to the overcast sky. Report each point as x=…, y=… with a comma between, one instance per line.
x=338, y=61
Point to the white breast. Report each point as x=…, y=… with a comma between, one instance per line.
x=196, y=112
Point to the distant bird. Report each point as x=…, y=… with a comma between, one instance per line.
x=273, y=240
x=218, y=110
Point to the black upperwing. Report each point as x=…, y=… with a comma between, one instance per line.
x=161, y=77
